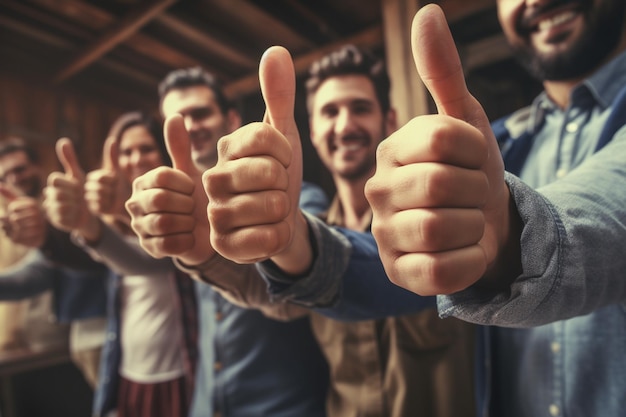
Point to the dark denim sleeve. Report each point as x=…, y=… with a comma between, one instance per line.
x=313, y=199
x=347, y=280
x=29, y=277
x=365, y=291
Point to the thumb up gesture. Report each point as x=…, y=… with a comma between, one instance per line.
x=168, y=205
x=23, y=221
x=106, y=190
x=64, y=200
x=254, y=188
x=440, y=204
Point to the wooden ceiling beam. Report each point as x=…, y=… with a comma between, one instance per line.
x=456, y=10
x=304, y=11
x=77, y=11
x=121, y=31
x=202, y=39
x=485, y=52
x=370, y=38
x=100, y=19
x=255, y=21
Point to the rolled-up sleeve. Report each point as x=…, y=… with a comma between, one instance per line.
x=572, y=248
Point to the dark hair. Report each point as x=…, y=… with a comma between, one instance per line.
x=15, y=144
x=346, y=61
x=191, y=77
x=137, y=118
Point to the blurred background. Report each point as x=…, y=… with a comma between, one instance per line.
x=70, y=67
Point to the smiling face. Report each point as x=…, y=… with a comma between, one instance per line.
x=17, y=170
x=562, y=39
x=204, y=120
x=347, y=124
x=138, y=152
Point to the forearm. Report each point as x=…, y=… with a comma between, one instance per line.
x=346, y=281
x=242, y=285
x=571, y=243
x=59, y=248
x=121, y=255
x=31, y=276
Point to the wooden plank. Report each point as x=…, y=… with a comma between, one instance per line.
x=255, y=23
x=200, y=38
x=369, y=38
x=42, y=117
x=78, y=11
x=110, y=39
x=408, y=95
x=456, y=10
x=485, y=52
x=154, y=49
x=304, y=11
x=23, y=360
x=98, y=19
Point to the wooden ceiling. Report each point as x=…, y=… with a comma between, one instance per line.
x=122, y=48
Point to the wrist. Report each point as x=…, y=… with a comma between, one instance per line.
x=298, y=257
x=91, y=231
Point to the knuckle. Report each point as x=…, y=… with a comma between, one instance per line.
x=377, y=191
x=385, y=151
x=435, y=184
x=277, y=205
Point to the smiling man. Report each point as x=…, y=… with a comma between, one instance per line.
x=542, y=251
x=538, y=257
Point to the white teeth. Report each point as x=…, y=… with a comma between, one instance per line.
x=350, y=147
x=556, y=20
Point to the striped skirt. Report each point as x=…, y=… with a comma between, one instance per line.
x=163, y=399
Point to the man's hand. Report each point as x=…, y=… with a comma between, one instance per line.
x=168, y=205
x=254, y=188
x=24, y=221
x=441, y=207
x=64, y=200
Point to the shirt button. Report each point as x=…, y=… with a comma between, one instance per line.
x=556, y=347
x=572, y=127
x=561, y=173
x=554, y=410
x=217, y=366
x=219, y=316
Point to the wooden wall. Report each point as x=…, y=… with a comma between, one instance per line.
x=41, y=113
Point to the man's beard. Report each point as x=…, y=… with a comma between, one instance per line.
x=599, y=40
x=363, y=169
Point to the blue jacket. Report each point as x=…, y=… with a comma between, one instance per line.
x=77, y=294
x=587, y=326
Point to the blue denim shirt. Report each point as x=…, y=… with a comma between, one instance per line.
x=572, y=366
x=573, y=363
x=77, y=294
x=250, y=365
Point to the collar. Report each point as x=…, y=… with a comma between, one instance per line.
x=334, y=215
x=602, y=87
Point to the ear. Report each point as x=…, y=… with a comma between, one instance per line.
x=391, y=121
x=233, y=119
x=311, y=130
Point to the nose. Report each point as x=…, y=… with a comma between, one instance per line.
x=191, y=123
x=344, y=122
x=136, y=157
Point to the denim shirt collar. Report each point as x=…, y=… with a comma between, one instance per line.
x=602, y=86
